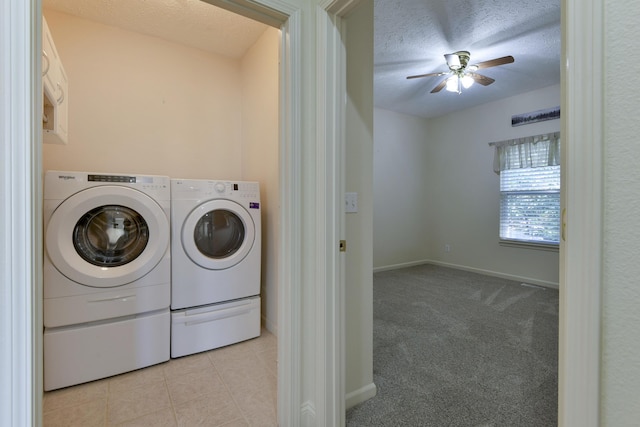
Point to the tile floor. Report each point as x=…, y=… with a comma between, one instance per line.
x=232, y=386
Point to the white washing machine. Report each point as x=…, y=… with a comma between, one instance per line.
x=107, y=278
x=215, y=264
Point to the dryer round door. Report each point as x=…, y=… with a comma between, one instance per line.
x=218, y=234
x=107, y=236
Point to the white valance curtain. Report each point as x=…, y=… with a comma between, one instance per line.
x=528, y=152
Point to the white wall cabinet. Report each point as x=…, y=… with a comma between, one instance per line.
x=55, y=87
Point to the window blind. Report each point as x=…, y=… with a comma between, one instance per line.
x=530, y=204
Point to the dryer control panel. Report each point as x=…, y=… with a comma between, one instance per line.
x=233, y=190
x=244, y=189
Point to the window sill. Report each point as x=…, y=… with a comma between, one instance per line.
x=551, y=247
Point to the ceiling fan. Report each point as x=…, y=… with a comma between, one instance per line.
x=462, y=74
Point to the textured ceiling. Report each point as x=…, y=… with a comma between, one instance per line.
x=411, y=37
x=189, y=22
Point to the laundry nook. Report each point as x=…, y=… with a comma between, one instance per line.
x=160, y=193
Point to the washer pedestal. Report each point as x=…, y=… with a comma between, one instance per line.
x=80, y=353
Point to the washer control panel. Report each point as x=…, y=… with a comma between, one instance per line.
x=62, y=184
x=111, y=178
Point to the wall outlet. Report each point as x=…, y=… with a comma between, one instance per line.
x=447, y=248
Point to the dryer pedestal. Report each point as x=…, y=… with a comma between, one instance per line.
x=212, y=326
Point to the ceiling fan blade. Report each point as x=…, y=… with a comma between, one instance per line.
x=495, y=62
x=483, y=80
x=426, y=75
x=440, y=86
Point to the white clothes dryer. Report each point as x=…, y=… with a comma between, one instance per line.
x=215, y=264
x=107, y=278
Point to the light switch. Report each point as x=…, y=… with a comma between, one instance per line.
x=351, y=202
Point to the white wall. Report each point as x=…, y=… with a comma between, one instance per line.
x=402, y=229
x=621, y=269
x=140, y=104
x=460, y=191
x=359, y=179
x=259, y=158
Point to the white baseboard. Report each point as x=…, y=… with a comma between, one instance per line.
x=529, y=280
x=401, y=265
x=358, y=396
x=270, y=326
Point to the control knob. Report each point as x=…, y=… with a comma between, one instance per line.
x=219, y=187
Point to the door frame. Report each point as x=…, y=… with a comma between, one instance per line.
x=311, y=293
x=582, y=202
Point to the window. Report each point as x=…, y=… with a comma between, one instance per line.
x=530, y=205
x=529, y=171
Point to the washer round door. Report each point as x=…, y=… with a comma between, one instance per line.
x=218, y=234
x=107, y=236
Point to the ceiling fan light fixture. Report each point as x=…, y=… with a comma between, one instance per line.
x=467, y=81
x=453, y=84
x=453, y=60
x=462, y=74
